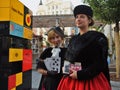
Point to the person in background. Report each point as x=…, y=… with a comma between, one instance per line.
x=89, y=49
x=51, y=60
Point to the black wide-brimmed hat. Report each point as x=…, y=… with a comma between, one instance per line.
x=57, y=30
x=83, y=9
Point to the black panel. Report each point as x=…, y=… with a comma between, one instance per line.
x=11, y=68
x=27, y=80
x=7, y=42
x=4, y=28
x=20, y=87
x=3, y=81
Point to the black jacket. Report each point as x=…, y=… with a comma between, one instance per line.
x=91, y=49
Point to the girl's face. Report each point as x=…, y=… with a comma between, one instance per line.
x=56, y=40
x=82, y=21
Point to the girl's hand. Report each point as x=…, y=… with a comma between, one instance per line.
x=73, y=74
x=42, y=71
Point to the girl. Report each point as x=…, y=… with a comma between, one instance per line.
x=48, y=65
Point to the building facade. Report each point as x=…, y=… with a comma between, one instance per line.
x=55, y=7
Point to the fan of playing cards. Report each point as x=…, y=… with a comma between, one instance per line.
x=54, y=62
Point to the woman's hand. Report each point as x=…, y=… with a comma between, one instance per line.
x=73, y=74
x=42, y=71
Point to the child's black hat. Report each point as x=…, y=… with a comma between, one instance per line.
x=58, y=30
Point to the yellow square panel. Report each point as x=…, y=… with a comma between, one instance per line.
x=17, y=12
x=13, y=12
x=5, y=3
x=15, y=54
x=19, y=78
x=27, y=33
x=4, y=14
x=13, y=89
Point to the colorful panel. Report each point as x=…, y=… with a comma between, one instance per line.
x=19, y=78
x=27, y=17
x=16, y=29
x=15, y=55
x=27, y=33
x=11, y=82
x=27, y=59
x=12, y=22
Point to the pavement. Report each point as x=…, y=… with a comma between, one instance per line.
x=36, y=77
x=115, y=85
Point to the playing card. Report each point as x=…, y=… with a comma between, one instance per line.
x=68, y=66
x=53, y=64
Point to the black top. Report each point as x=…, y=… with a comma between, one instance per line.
x=50, y=82
x=91, y=49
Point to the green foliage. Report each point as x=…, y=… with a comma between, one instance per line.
x=106, y=10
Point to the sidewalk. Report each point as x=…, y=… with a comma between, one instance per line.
x=35, y=79
x=115, y=85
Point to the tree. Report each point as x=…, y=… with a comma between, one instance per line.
x=109, y=12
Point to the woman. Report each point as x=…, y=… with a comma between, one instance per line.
x=51, y=60
x=90, y=49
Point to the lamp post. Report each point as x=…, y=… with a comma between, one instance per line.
x=57, y=22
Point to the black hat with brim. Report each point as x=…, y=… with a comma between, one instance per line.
x=58, y=30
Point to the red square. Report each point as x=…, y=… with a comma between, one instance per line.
x=27, y=59
x=11, y=81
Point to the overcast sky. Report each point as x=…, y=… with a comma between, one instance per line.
x=33, y=4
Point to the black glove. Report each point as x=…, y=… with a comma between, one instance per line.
x=52, y=73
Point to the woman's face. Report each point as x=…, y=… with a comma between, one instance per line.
x=82, y=21
x=56, y=40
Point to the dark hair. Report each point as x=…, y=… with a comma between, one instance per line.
x=92, y=21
